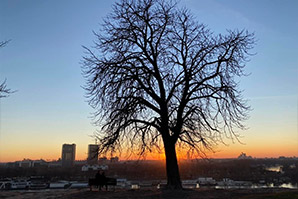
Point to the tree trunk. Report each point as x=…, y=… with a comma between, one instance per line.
x=173, y=175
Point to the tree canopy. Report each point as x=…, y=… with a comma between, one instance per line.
x=156, y=76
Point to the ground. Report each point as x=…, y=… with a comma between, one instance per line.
x=156, y=194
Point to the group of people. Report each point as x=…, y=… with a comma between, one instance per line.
x=101, y=180
x=100, y=177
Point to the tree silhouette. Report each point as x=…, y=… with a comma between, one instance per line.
x=4, y=91
x=156, y=78
x=3, y=43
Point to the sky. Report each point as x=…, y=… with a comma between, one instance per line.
x=42, y=62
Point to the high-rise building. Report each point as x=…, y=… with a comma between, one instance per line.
x=68, y=155
x=92, y=154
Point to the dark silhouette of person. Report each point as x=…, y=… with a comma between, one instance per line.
x=98, y=175
x=98, y=179
x=103, y=175
x=103, y=181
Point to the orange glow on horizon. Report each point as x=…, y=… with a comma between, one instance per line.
x=224, y=152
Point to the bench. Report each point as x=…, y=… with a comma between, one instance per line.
x=101, y=183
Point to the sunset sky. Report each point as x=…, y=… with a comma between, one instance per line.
x=42, y=62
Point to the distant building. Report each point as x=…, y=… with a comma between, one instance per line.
x=80, y=162
x=40, y=163
x=114, y=159
x=68, y=155
x=206, y=181
x=27, y=163
x=92, y=154
x=55, y=163
x=103, y=160
x=94, y=167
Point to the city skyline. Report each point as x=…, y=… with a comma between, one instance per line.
x=68, y=156
x=42, y=62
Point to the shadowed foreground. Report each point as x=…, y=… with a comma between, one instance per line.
x=159, y=194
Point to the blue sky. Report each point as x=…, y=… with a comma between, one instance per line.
x=42, y=62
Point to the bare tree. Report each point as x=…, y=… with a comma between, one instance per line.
x=4, y=91
x=157, y=78
x=3, y=43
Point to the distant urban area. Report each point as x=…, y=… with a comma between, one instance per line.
x=66, y=172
